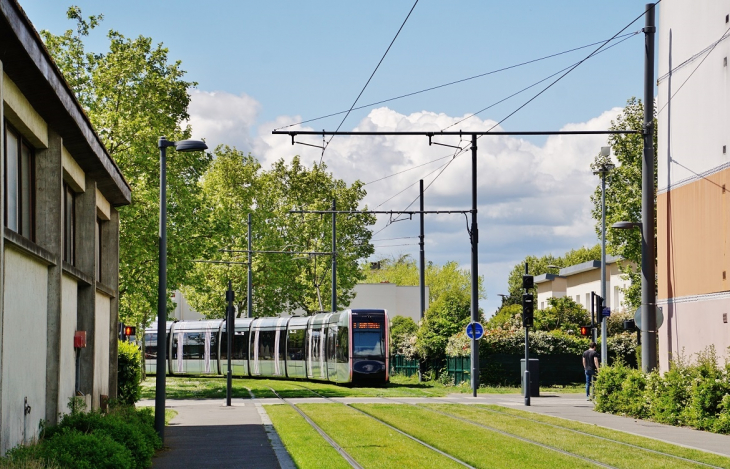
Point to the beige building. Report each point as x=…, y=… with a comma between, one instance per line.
x=578, y=281
x=59, y=241
x=693, y=209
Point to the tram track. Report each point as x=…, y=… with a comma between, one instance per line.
x=395, y=429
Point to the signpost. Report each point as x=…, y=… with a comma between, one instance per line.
x=475, y=330
x=659, y=317
x=606, y=312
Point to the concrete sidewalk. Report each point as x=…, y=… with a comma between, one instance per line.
x=208, y=434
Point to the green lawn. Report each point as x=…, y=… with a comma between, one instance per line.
x=443, y=426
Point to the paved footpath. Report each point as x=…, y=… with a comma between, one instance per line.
x=206, y=433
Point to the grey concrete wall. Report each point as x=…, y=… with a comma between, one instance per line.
x=101, y=346
x=24, y=351
x=48, y=225
x=2, y=248
x=85, y=262
x=110, y=277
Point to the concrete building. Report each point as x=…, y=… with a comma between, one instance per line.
x=59, y=241
x=578, y=281
x=693, y=211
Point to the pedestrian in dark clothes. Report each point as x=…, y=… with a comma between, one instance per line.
x=590, y=365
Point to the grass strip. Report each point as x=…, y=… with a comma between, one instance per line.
x=475, y=445
x=605, y=451
x=372, y=444
x=649, y=443
x=306, y=447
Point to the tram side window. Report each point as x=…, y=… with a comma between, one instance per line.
x=240, y=345
x=315, y=343
x=266, y=345
x=281, y=353
x=342, y=346
x=150, y=346
x=331, y=342
x=193, y=345
x=295, y=345
x=214, y=346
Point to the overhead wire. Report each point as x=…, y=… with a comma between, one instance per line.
x=371, y=77
x=455, y=82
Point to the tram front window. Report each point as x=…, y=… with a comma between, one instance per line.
x=367, y=343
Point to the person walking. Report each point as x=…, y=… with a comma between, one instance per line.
x=590, y=365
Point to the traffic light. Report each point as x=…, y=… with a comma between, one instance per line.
x=528, y=282
x=528, y=309
x=585, y=331
x=129, y=331
x=599, y=308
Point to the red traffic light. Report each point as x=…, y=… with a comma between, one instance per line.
x=129, y=330
x=585, y=330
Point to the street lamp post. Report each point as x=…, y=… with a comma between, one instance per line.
x=163, y=144
x=603, y=170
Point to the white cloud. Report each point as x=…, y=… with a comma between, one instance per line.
x=532, y=199
x=220, y=117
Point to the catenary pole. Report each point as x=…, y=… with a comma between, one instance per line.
x=474, y=268
x=334, y=256
x=161, y=297
x=604, y=320
x=422, y=258
x=249, y=297
x=648, y=293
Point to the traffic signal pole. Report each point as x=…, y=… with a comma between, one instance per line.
x=474, y=235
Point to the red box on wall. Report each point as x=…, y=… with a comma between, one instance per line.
x=80, y=339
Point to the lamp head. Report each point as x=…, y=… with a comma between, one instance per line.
x=190, y=145
x=625, y=225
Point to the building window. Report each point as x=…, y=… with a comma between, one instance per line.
x=98, y=251
x=588, y=301
x=616, y=303
x=19, y=187
x=69, y=225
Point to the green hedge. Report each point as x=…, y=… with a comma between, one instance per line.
x=124, y=439
x=689, y=394
x=129, y=379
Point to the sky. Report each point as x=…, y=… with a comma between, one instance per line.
x=265, y=65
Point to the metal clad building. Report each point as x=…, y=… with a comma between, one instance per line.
x=693, y=212
x=59, y=240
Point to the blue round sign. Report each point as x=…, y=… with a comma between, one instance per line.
x=474, y=330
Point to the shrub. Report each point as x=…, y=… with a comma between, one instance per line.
x=129, y=379
x=128, y=427
x=72, y=448
x=620, y=390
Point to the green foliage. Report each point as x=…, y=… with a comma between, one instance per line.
x=459, y=345
x=70, y=448
x=133, y=94
x=401, y=330
x=130, y=373
x=449, y=314
x=539, y=266
x=508, y=317
x=623, y=194
x=439, y=279
x=562, y=314
x=512, y=342
x=232, y=187
x=695, y=395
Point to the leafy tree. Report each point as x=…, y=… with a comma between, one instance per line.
x=401, y=330
x=448, y=315
x=623, y=194
x=505, y=317
x=562, y=314
x=132, y=95
x=439, y=279
x=235, y=186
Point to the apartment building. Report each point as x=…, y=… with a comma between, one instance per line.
x=693, y=211
x=59, y=241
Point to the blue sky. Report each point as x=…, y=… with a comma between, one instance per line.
x=260, y=65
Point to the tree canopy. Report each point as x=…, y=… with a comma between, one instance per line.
x=623, y=194
x=133, y=94
x=236, y=186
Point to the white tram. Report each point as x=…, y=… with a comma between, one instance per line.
x=346, y=347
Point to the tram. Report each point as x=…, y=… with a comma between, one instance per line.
x=344, y=347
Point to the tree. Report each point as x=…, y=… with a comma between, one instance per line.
x=439, y=279
x=132, y=95
x=401, y=330
x=562, y=314
x=235, y=186
x=448, y=315
x=623, y=194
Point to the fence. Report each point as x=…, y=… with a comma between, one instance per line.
x=459, y=369
x=399, y=364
